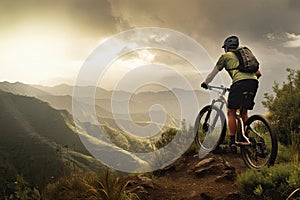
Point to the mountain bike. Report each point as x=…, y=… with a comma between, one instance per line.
x=258, y=143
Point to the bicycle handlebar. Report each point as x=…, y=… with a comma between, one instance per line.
x=210, y=87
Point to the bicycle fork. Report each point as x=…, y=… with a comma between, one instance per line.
x=207, y=117
x=205, y=126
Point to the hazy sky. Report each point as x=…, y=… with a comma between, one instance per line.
x=47, y=41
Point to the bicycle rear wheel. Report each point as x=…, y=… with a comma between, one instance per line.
x=264, y=145
x=210, y=128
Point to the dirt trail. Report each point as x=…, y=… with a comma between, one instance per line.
x=213, y=177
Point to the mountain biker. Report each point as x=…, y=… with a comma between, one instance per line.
x=241, y=82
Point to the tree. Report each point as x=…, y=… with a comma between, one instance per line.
x=284, y=107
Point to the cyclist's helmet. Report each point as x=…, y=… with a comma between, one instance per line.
x=231, y=42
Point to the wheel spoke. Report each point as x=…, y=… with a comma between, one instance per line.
x=263, y=148
x=210, y=130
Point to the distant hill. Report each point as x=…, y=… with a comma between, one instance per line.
x=139, y=103
x=58, y=97
x=36, y=142
x=59, y=90
x=63, y=90
x=42, y=144
x=22, y=89
x=174, y=102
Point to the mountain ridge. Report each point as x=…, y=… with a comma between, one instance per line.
x=42, y=143
x=29, y=149
x=139, y=103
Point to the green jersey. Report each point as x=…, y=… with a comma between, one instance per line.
x=230, y=61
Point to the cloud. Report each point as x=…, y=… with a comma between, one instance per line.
x=293, y=36
x=273, y=36
x=210, y=21
x=93, y=17
x=289, y=40
x=295, y=41
x=258, y=25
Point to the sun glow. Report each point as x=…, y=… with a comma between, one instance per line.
x=31, y=51
x=33, y=55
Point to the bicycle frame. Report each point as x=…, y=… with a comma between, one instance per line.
x=221, y=100
x=240, y=125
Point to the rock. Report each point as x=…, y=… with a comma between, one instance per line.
x=227, y=165
x=205, y=162
x=177, y=165
x=204, y=196
x=213, y=169
x=146, y=181
x=233, y=196
x=226, y=176
x=192, y=194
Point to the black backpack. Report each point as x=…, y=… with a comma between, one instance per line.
x=247, y=61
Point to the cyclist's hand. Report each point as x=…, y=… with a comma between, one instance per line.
x=204, y=85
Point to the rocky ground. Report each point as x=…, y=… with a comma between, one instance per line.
x=213, y=177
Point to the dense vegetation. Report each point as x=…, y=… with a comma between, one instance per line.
x=284, y=111
x=284, y=106
x=36, y=148
x=283, y=180
x=273, y=183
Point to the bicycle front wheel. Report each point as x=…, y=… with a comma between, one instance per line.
x=210, y=128
x=263, y=148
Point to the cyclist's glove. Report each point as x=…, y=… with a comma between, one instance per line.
x=204, y=85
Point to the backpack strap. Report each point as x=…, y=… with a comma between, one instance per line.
x=239, y=56
x=232, y=69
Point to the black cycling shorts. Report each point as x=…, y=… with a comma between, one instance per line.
x=236, y=97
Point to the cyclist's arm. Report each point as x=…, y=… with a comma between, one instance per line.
x=211, y=75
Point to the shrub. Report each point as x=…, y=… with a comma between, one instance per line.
x=284, y=105
x=166, y=137
x=19, y=190
x=111, y=186
x=169, y=134
x=108, y=185
x=284, y=153
x=71, y=187
x=274, y=183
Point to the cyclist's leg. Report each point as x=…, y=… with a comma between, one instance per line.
x=245, y=115
x=250, y=87
x=236, y=95
x=234, y=99
x=232, y=129
x=231, y=113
